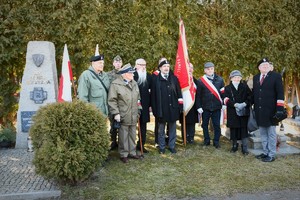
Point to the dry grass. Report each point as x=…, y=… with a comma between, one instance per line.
x=194, y=172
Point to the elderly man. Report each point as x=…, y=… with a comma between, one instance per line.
x=144, y=82
x=112, y=75
x=124, y=105
x=167, y=103
x=209, y=102
x=93, y=84
x=268, y=104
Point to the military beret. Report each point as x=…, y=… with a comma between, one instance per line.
x=208, y=65
x=163, y=63
x=262, y=61
x=117, y=58
x=126, y=69
x=97, y=58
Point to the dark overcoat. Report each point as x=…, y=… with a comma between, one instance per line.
x=240, y=95
x=145, y=90
x=164, y=98
x=265, y=97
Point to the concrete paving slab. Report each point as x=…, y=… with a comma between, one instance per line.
x=18, y=179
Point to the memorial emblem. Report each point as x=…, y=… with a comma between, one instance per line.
x=38, y=59
x=38, y=95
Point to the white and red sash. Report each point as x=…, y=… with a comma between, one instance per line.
x=211, y=87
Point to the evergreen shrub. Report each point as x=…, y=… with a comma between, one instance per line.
x=70, y=141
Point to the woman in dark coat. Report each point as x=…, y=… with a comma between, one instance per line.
x=237, y=96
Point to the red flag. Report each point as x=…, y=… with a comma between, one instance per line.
x=65, y=81
x=182, y=71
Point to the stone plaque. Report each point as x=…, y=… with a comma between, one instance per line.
x=39, y=86
x=26, y=120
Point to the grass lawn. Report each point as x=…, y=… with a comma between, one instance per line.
x=194, y=172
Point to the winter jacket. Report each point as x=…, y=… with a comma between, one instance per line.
x=124, y=99
x=91, y=90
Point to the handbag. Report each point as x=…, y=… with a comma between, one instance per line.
x=243, y=112
x=116, y=124
x=252, y=124
x=279, y=118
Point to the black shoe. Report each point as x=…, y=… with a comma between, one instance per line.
x=145, y=150
x=162, y=151
x=113, y=145
x=245, y=153
x=261, y=156
x=234, y=148
x=217, y=146
x=133, y=156
x=172, y=150
x=206, y=143
x=268, y=159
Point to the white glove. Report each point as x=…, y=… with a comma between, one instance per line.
x=240, y=106
x=117, y=117
x=200, y=110
x=223, y=107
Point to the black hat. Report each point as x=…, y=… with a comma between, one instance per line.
x=97, y=58
x=117, y=58
x=126, y=69
x=263, y=61
x=163, y=63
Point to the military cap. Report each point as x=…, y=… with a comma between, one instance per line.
x=163, y=63
x=97, y=58
x=262, y=61
x=126, y=69
x=117, y=58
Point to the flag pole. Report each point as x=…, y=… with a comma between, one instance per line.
x=184, y=130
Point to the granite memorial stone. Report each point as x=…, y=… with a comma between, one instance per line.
x=39, y=86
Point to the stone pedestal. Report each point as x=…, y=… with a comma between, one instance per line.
x=39, y=86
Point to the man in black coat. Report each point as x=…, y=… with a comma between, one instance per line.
x=144, y=82
x=167, y=103
x=268, y=98
x=209, y=102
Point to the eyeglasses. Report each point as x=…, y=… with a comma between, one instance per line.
x=142, y=64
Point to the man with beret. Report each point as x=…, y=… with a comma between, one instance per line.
x=167, y=104
x=112, y=75
x=144, y=82
x=93, y=84
x=124, y=105
x=268, y=97
x=209, y=102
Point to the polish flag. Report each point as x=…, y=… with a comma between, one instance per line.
x=66, y=78
x=181, y=70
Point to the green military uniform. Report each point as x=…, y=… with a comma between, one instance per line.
x=91, y=90
x=112, y=75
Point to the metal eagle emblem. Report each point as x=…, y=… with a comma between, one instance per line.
x=38, y=59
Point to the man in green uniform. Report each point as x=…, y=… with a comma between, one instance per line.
x=93, y=84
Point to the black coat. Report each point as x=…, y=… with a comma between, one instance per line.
x=145, y=97
x=240, y=95
x=265, y=98
x=205, y=99
x=164, y=98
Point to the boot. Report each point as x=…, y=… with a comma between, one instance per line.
x=245, y=146
x=234, y=148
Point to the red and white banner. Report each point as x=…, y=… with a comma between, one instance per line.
x=65, y=81
x=181, y=70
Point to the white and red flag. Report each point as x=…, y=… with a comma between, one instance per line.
x=181, y=70
x=66, y=78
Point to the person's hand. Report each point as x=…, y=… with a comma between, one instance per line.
x=240, y=106
x=223, y=107
x=117, y=117
x=200, y=110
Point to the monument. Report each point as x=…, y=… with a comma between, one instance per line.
x=39, y=86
